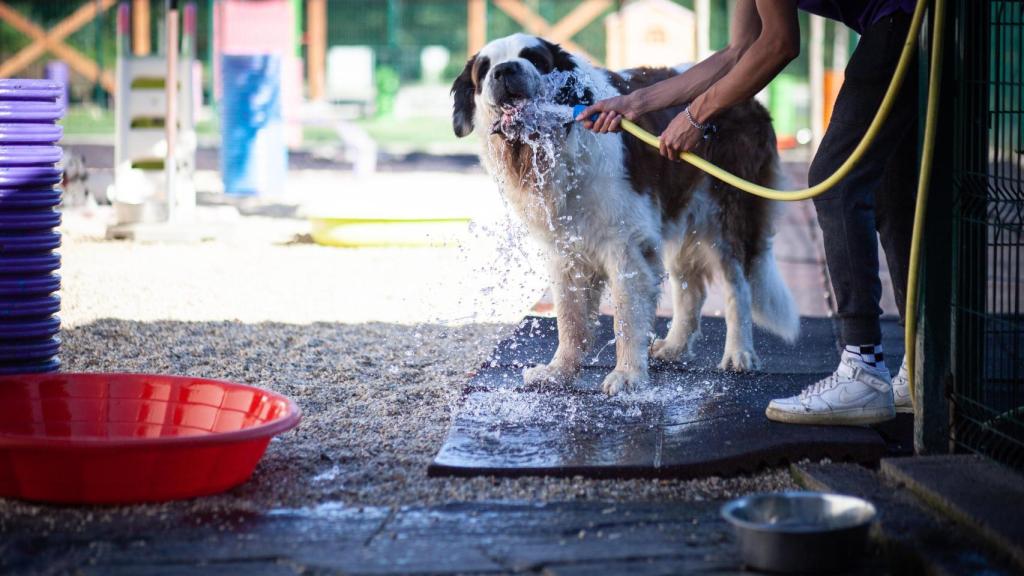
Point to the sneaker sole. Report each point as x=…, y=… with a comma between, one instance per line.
x=852, y=418
x=904, y=409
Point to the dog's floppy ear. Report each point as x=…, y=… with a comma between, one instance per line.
x=573, y=92
x=561, y=59
x=464, y=107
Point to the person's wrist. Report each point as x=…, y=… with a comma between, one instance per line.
x=696, y=114
x=638, y=103
x=699, y=111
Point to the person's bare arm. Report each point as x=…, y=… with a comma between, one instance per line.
x=745, y=28
x=777, y=45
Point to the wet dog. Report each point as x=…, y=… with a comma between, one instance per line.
x=611, y=211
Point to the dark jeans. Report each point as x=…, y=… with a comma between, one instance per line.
x=878, y=195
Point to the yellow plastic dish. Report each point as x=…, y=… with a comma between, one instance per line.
x=381, y=233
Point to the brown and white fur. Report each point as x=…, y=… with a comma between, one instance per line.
x=613, y=212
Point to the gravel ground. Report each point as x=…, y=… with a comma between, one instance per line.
x=374, y=345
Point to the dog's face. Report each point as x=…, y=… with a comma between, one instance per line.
x=507, y=71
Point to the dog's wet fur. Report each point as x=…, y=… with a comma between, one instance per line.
x=616, y=213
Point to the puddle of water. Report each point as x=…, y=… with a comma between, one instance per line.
x=328, y=475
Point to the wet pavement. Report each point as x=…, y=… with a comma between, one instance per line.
x=691, y=421
x=463, y=538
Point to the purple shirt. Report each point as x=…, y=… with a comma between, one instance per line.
x=857, y=14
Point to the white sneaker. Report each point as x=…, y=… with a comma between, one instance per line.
x=852, y=395
x=901, y=390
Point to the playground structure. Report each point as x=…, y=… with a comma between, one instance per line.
x=338, y=51
x=155, y=140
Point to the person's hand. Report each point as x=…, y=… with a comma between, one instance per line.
x=610, y=114
x=680, y=136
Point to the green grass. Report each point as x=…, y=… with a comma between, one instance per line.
x=405, y=135
x=411, y=133
x=90, y=121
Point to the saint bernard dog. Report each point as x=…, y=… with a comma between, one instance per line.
x=610, y=210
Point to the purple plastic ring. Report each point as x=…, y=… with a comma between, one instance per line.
x=48, y=365
x=20, y=198
x=30, y=111
x=29, y=263
x=11, y=133
x=30, y=349
x=30, y=176
x=32, y=306
x=29, y=242
x=29, y=155
x=29, y=220
x=30, y=328
x=21, y=287
x=30, y=89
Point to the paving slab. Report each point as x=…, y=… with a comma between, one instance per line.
x=563, y=538
x=915, y=540
x=484, y=538
x=985, y=497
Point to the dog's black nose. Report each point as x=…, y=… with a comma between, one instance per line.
x=505, y=69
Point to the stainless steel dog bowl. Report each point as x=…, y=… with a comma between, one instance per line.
x=800, y=531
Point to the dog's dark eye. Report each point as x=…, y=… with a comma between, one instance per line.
x=535, y=57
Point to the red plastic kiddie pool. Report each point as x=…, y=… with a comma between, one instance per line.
x=123, y=438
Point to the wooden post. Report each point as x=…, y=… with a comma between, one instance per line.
x=702, y=13
x=477, y=26
x=53, y=41
x=583, y=14
x=171, y=117
x=533, y=23
x=316, y=33
x=141, y=44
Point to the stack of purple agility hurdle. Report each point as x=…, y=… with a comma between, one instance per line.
x=29, y=195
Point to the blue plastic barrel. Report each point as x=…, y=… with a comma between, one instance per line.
x=253, y=154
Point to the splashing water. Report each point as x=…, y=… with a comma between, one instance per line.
x=542, y=114
x=541, y=122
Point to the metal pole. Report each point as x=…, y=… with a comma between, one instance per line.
x=171, y=92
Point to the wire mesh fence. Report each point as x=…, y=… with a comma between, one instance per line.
x=988, y=300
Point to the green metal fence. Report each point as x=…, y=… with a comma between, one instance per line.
x=987, y=393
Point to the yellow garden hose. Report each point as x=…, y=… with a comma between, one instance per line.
x=902, y=66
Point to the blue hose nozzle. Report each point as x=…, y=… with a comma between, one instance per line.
x=579, y=108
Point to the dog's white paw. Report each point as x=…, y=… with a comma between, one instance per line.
x=547, y=374
x=669, y=351
x=623, y=381
x=740, y=360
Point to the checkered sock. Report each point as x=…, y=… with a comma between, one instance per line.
x=869, y=355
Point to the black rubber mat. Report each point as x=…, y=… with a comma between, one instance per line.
x=691, y=421
x=815, y=352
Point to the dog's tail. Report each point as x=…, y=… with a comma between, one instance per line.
x=772, y=303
